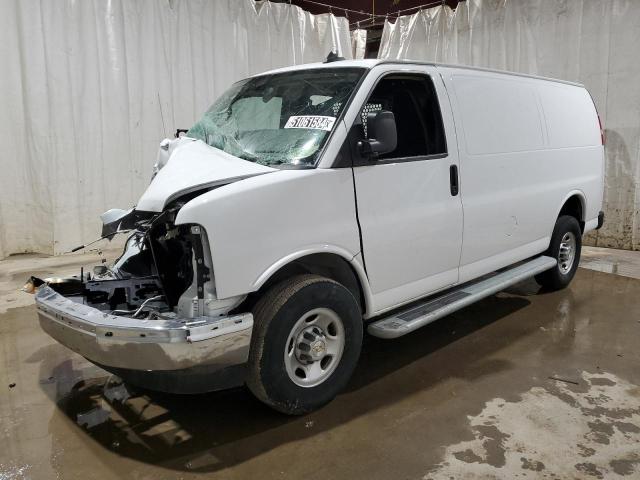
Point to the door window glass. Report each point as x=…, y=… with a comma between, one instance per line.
x=414, y=103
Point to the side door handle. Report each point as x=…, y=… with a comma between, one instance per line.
x=453, y=180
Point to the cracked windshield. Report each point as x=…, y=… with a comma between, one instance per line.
x=281, y=119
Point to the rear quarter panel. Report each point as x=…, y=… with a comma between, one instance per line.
x=526, y=145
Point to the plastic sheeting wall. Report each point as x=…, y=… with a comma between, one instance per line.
x=592, y=42
x=89, y=88
x=358, y=43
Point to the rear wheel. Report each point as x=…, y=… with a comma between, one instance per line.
x=565, y=247
x=305, y=345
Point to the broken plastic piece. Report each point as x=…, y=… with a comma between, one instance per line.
x=32, y=285
x=112, y=219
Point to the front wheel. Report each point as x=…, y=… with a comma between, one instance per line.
x=565, y=247
x=305, y=345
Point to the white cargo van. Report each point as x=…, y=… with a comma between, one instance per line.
x=311, y=202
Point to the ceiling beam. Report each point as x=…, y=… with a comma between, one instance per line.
x=362, y=10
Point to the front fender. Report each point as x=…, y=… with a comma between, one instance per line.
x=354, y=260
x=313, y=249
x=258, y=224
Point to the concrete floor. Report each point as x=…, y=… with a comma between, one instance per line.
x=523, y=384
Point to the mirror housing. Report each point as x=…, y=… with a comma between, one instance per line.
x=383, y=136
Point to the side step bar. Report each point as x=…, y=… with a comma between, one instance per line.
x=416, y=316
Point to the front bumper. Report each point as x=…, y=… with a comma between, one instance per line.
x=145, y=345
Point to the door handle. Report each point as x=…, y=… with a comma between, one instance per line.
x=453, y=180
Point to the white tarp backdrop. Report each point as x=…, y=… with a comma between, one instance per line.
x=358, y=43
x=592, y=42
x=89, y=88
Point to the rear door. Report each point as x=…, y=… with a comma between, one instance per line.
x=410, y=216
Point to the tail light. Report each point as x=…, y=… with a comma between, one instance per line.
x=601, y=130
x=602, y=136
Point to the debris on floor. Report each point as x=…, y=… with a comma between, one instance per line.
x=563, y=380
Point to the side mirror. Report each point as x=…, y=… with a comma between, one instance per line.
x=383, y=137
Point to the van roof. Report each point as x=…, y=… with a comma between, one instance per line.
x=370, y=63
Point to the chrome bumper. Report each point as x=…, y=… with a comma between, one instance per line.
x=127, y=343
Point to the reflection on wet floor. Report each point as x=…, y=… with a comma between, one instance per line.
x=608, y=260
x=93, y=417
x=66, y=418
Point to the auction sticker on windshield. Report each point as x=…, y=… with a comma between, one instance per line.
x=316, y=122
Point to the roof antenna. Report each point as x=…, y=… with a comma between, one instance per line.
x=333, y=57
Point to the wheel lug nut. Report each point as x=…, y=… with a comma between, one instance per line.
x=304, y=346
x=304, y=356
x=309, y=336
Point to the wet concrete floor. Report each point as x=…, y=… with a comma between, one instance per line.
x=524, y=384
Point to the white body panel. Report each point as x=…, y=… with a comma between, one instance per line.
x=194, y=165
x=523, y=145
x=262, y=223
x=526, y=145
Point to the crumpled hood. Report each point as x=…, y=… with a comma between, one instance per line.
x=194, y=166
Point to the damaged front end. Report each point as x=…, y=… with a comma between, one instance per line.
x=153, y=316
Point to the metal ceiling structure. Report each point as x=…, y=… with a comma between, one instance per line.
x=368, y=13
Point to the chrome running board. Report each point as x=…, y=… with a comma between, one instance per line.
x=433, y=308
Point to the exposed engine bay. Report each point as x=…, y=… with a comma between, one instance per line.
x=164, y=272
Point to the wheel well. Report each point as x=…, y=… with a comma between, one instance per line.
x=573, y=207
x=326, y=264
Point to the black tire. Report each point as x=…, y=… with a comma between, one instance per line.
x=558, y=277
x=275, y=315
